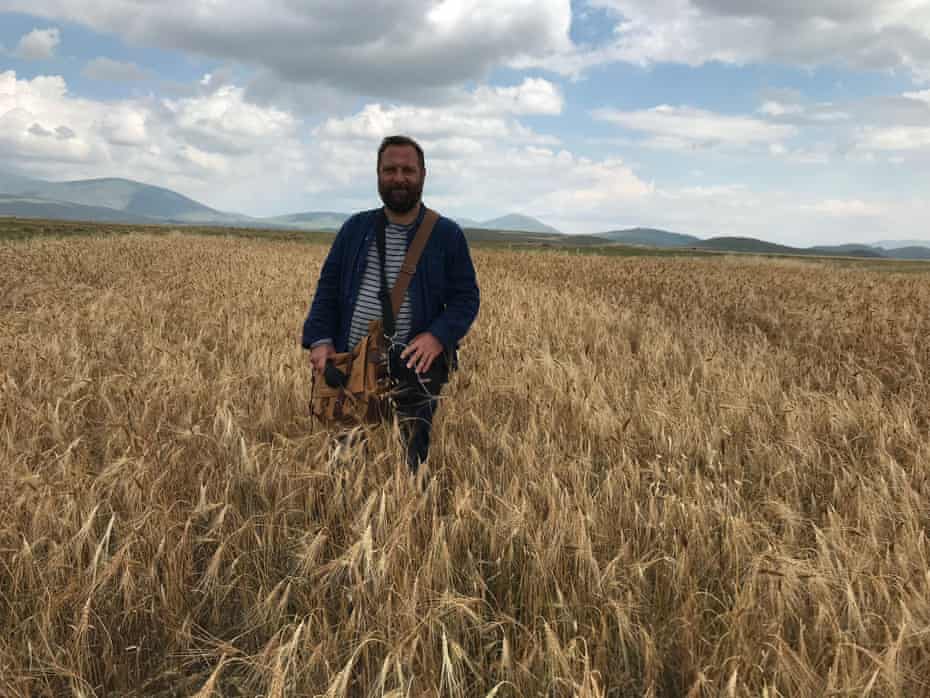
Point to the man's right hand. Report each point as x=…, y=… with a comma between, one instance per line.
x=318, y=356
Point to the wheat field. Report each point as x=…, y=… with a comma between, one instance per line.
x=650, y=477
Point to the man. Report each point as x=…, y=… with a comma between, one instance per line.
x=437, y=311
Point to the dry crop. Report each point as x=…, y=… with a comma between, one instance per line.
x=675, y=477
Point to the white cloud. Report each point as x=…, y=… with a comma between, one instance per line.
x=477, y=119
x=737, y=210
x=844, y=208
x=224, y=121
x=922, y=96
x=901, y=138
x=774, y=108
x=386, y=49
x=31, y=111
x=214, y=146
x=482, y=157
x=825, y=114
x=533, y=96
x=232, y=154
x=687, y=127
x=855, y=131
x=103, y=68
x=206, y=162
x=39, y=44
x=125, y=125
x=477, y=154
x=887, y=35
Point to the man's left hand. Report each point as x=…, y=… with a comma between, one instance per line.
x=421, y=352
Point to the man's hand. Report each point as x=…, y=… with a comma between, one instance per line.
x=319, y=354
x=421, y=352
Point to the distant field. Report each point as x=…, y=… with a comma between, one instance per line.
x=26, y=228
x=652, y=476
x=22, y=229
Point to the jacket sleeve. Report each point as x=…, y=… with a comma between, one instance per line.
x=462, y=295
x=323, y=319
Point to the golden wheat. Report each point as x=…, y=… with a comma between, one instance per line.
x=657, y=477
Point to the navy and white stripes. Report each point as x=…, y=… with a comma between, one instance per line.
x=368, y=305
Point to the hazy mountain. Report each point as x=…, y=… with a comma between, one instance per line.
x=916, y=252
x=650, y=236
x=665, y=239
x=34, y=207
x=10, y=183
x=754, y=246
x=128, y=201
x=516, y=222
x=896, y=244
x=309, y=220
x=132, y=197
x=848, y=250
x=331, y=220
x=124, y=195
x=739, y=244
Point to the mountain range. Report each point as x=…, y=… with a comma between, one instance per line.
x=115, y=200
x=650, y=237
x=127, y=201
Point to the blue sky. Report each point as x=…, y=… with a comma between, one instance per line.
x=800, y=123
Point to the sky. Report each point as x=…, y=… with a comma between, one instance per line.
x=800, y=121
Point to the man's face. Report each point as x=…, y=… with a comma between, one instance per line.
x=400, y=179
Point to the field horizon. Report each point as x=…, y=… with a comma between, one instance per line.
x=652, y=476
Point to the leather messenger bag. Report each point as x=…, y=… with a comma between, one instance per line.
x=356, y=386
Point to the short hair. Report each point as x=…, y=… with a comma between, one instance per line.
x=401, y=140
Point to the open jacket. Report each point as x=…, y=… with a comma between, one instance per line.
x=443, y=293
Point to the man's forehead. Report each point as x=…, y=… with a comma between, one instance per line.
x=400, y=154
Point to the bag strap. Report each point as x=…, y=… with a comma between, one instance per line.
x=390, y=303
x=387, y=312
x=409, y=267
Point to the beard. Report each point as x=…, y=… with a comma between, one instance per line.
x=400, y=198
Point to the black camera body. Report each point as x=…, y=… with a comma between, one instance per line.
x=409, y=379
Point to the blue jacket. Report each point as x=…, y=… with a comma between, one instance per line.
x=443, y=293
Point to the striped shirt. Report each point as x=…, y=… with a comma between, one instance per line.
x=368, y=305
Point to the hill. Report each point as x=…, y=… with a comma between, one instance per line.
x=848, y=250
x=518, y=222
x=740, y=244
x=107, y=199
x=10, y=183
x=118, y=200
x=664, y=239
x=649, y=236
x=33, y=207
x=897, y=244
x=518, y=237
x=114, y=199
x=130, y=197
x=332, y=220
x=917, y=252
x=754, y=246
x=309, y=220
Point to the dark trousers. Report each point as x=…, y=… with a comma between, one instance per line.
x=416, y=405
x=416, y=401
